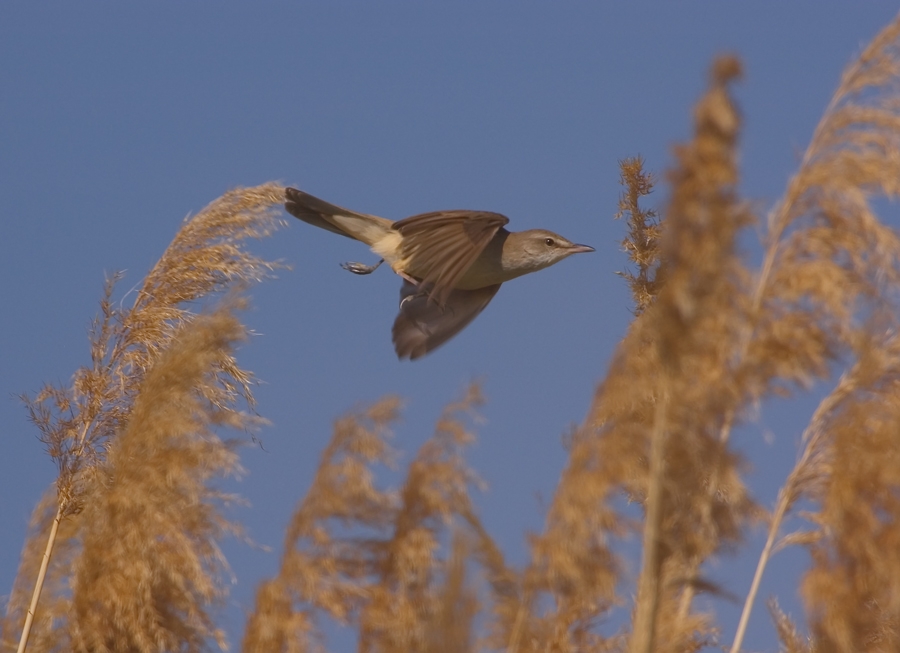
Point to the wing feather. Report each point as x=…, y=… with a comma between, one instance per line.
x=423, y=325
x=439, y=247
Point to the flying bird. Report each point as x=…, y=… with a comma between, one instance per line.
x=452, y=262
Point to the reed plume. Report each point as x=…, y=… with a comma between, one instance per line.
x=88, y=428
x=150, y=569
x=644, y=232
x=370, y=557
x=826, y=292
x=653, y=432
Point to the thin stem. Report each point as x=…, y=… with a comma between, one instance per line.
x=781, y=510
x=517, y=628
x=648, y=593
x=787, y=495
x=39, y=584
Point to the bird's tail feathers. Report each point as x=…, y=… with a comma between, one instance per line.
x=319, y=213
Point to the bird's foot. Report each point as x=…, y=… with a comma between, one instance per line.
x=359, y=268
x=414, y=289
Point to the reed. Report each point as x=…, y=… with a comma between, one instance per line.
x=133, y=436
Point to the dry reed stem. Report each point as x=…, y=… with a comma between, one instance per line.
x=802, y=479
x=54, y=603
x=649, y=591
x=39, y=583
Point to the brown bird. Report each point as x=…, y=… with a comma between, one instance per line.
x=452, y=262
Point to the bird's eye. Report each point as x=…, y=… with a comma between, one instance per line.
x=549, y=242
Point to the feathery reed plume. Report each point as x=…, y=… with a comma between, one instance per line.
x=642, y=242
x=150, y=566
x=849, y=466
x=653, y=429
x=829, y=262
x=381, y=570
x=791, y=640
x=695, y=501
x=827, y=254
x=505, y=583
x=324, y=567
x=79, y=425
x=456, y=604
x=571, y=561
x=851, y=589
x=404, y=611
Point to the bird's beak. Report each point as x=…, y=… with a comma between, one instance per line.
x=578, y=249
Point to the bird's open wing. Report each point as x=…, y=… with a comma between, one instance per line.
x=439, y=247
x=424, y=325
x=319, y=213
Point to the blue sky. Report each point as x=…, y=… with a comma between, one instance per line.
x=117, y=120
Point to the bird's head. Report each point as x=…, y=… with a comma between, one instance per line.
x=537, y=249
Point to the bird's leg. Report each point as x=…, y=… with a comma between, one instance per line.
x=408, y=278
x=415, y=283
x=359, y=268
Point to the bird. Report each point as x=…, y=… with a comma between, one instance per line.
x=452, y=262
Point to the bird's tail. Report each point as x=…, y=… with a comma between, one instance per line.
x=319, y=213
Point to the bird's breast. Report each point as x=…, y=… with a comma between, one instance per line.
x=485, y=271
